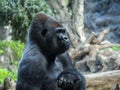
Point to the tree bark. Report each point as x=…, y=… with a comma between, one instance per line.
x=103, y=80
x=71, y=15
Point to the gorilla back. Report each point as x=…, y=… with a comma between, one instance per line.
x=45, y=63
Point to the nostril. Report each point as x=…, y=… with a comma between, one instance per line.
x=62, y=37
x=65, y=38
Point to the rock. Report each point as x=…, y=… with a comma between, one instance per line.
x=94, y=65
x=9, y=84
x=1, y=60
x=4, y=61
x=98, y=60
x=81, y=65
x=12, y=68
x=1, y=86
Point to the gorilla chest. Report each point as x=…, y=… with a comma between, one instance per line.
x=54, y=70
x=50, y=82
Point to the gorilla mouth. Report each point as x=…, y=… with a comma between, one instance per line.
x=64, y=44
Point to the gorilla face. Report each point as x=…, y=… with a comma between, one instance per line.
x=61, y=38
x=56, y=40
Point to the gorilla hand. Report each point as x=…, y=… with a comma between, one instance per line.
x=69, y=80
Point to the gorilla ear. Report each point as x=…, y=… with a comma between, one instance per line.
x=44, y=32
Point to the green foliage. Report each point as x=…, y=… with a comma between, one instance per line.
x=5, y=73
x=116, y=48
x=20, y=13
x=12, y=49
x=16, y=48
x=1, y=52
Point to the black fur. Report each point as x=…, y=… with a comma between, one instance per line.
x=45, y=63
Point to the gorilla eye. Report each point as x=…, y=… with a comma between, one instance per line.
x=61, y=30
x=44, y=32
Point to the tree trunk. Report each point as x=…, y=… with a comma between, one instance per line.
x=70, y=13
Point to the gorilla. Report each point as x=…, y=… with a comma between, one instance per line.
x=45, y=63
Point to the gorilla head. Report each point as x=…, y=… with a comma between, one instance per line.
x=49, y=34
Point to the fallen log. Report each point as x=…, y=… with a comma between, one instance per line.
x=103, y=80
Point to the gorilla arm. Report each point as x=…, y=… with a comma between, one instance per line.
x=65, y=60
x=70, y=78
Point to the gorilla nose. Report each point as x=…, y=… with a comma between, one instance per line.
x=65, y=38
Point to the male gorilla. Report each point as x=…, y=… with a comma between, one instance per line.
x=45, y=63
